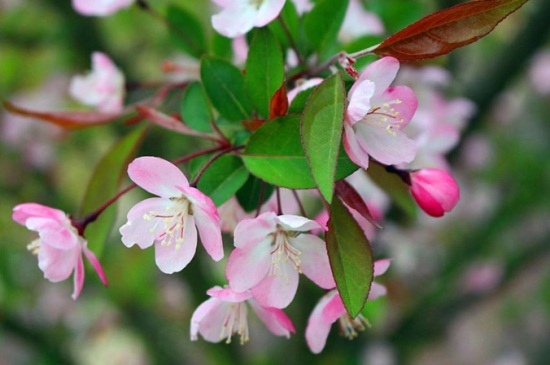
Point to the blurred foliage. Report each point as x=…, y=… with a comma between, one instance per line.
x=429, y=316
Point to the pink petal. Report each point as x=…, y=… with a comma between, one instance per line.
x=268, y=10
x=171, y=259
x=100, y=7
x=435, y=191
x=360, y=99
x=303, y=86
x=315, y=264
x=427, y=202
x=376, y=291
x=325, y=313
x=228, y=294
x=208, y=320
x=78, y=277
x=247, y=268
x=381, y=266
x=297, y=223
x=277, y=290
x=402, y=103
x=22, y=212
x=389, y=149
x=142, y=231
x=353, y=149
x=96, y=265
x=57, y=265
x=236, y=19
x=53, y=234
x=157, y=176
x=275, y=319
x=381, y=72
x=251, y=231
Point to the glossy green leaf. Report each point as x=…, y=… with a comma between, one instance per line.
x=250, y=194
x=195, y=109
x=289, y=17
x=264, y=69
x=274, y=154
x=224, y=85
x=351, y=258
x=223, y=178
x=299, y=102
x=321, y=131
x=323, y=23
x=186, y=31
x=394, y=186
x=221, y=46
x=104, y=184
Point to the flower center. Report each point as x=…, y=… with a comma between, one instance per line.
x=235, y=322
x=283, y=253
x=34, y=246
x=173, y=218
x=386, y=117
x=349, y=326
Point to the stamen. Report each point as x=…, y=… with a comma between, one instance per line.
x=283, y=252
x=34, y=246
x=173, y=219
x=349, y=326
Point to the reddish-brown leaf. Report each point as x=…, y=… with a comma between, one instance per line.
x=65, y=119
x=254, y=124
x=278, y=106
x=443, y=31
x=169, y=122
x=351, y=197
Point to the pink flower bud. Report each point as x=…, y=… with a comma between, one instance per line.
x=435, y=191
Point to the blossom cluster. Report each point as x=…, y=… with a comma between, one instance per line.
x=383, y=124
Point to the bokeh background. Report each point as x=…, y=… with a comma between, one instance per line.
x=470, y=288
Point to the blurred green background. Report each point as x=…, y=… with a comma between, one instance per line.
x=470, y=288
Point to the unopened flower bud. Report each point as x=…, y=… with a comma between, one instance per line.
x=435, y=191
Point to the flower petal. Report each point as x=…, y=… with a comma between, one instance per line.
x=141, y=230
x=208, y=320
x=57, y=265
x=401, y=102
x=315, y=264
x=22, y=212
x=78, y=277
x=53, y=234
x=297, y=223
x=207, y=220
x=389, y=147
x=381, y=266
x=360, y=99
x=251, y=231
x=268, y=10
x=235, y=19
x=171, y=258
x=277, y=290
x=325, y=313
x=381, y=72
x=275, y=319
x=376, y=291
x=354, y=150
x=228, y=294
x=247, y=268
x=96, y=264
x=157, y=176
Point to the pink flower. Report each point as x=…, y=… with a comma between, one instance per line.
x=100, y=7
x=331, y=309
x=376, y=115
x=102, y=88
x=271, y=251
x=435, y=191
x=302, y=6
x=301, y=86
x=169, y=221
x=239, y=16
x=59, y=246
x=226, y=313
x=359, y=22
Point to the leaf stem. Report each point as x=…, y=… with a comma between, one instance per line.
x=290, y=39
x=302, y=210
x=279, y=207
x=212, y=160
x=260, y=199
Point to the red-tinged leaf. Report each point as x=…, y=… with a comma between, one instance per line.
x=443, y=31
x=169, y=122
x=65, y=119
x=254, y=124
x=351, y=197
x=278, y=106
x=350, y=256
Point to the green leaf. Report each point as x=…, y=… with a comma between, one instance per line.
x=251, y=192
x=323, y=23
x=299, y=102
x=351, y=258
x=394, y=186
x=186, y=31
x=223, y=178
x=264, y=69
x=220, y=46
x=224, y=85
x=321, y=130
x=104, y=185
x=289, y=16
x=274, y=154
x=195, y=109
